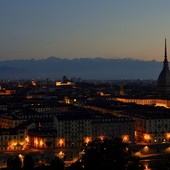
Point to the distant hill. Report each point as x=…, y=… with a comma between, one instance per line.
x=86, y=68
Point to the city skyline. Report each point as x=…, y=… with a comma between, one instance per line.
x=84, y=29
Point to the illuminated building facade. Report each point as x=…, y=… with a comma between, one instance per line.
x=10, y=121
x=44, y=138
x=69, y=83
x=152, y=124
x=4, y=91
x=73, y=128
x=112, y=126
x=78, y=129
x=152, y=130
x=153, y=102
x=15, y=138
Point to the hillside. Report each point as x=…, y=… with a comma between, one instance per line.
x=86, y=68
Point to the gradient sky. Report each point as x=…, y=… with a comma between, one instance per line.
x=84, y=28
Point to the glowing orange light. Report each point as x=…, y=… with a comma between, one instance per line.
x=27, y=139
x=146, y=149
x=125, y=138
x=61, y=154
x=14, y=143
x=67, y=100
x=168, y=136
x=33, y=83
x=41, y=143
x=21, y=157
x=87, y=140
x=21, y=142
x=61, y=142
x=101, y=138
x=36, y=141
x=146, y=167
x=147, y=137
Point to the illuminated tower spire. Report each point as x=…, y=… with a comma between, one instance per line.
x=165, y=58
x=163, y=83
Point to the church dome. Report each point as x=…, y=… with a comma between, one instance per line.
x=163, y=83
x=164, y=78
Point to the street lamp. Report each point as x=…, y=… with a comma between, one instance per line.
x=61, y=154
x=147, y=137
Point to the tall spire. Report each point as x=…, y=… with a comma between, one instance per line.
x=165, y=57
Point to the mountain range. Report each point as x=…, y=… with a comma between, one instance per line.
x=86, y=68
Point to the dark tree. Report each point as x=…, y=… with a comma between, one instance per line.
x=14, y=163
x=107, y=154
x=28, y=163
x=56, y=164
x=75, y=166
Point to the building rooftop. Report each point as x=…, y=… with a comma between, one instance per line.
x=134, y=110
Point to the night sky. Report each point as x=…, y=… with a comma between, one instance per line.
x=84, y=28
